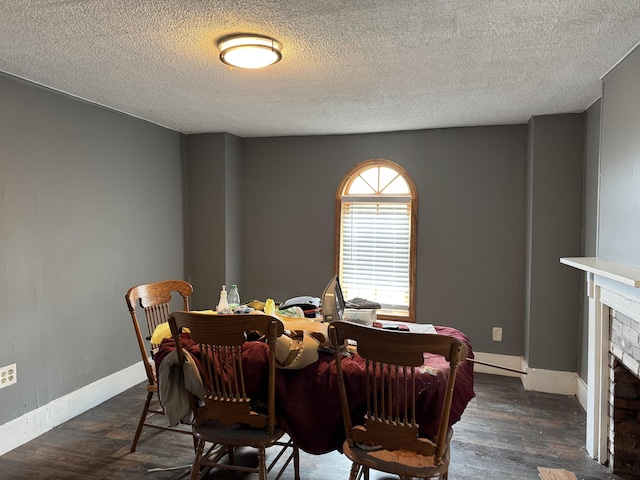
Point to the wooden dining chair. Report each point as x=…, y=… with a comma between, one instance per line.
x=154, y=299
x=387, y=438
x=231, y=414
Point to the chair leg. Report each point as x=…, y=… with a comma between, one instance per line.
x=195, y=468
x=231, y=451
x=296, y=461
x=355, y=471
x=143, y=417
x=262, y=463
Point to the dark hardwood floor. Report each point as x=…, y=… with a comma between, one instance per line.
x=505, y=433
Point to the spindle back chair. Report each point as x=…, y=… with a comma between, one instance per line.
x=155, y=301
x=387, y=439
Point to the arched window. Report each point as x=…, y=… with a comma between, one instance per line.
x=376, y=216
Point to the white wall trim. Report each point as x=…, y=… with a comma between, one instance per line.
x=582, y=393
x=509, y=361
x=36, y=422
x=551, y=381
x=538, y=380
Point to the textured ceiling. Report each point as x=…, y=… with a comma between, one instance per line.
x=348, y=66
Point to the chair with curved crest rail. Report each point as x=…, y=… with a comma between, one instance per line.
x=387, y=438
x=154, y=299
x=233, y=412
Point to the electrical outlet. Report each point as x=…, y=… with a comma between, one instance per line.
x=8, y=375
x=497, y=334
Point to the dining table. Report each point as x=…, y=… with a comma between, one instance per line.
x=308, y=402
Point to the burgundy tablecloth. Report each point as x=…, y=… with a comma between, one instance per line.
x=308, y=404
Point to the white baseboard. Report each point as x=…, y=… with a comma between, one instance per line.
x=508, y=361
x=551, y=381
x=36, y=422
x=535, y=379
x=582, y=392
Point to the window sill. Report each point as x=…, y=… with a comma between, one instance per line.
x=394, y=315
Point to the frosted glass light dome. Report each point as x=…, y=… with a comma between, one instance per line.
x=250, y=51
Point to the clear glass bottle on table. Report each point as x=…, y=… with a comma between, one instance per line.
x=223, y=303
x=234, y=297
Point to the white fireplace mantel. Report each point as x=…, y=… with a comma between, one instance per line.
x=609, y=285
x=625, y=274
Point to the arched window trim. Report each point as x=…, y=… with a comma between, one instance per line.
x=343, y=187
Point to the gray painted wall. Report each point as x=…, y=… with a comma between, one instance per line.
x=555, y=230
x=529, y=238
x=590, y=218
x=619, y=195
x=215, y=211
x=91, y=204
x=206, y=188
x=234, y=166
x=470, y=259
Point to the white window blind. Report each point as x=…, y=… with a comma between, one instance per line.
x=375, y=246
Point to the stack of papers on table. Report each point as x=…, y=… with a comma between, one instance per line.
x=412, y=327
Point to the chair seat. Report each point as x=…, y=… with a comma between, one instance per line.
x=235, y=435
x=400, y=462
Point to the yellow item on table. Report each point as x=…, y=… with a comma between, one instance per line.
x=161, y=331
x=270, y=307
x=256, y=305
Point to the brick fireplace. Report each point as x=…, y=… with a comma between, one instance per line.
x=624, y=396
x=613, y=362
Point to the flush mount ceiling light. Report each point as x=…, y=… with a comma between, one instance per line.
x=249, y=51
